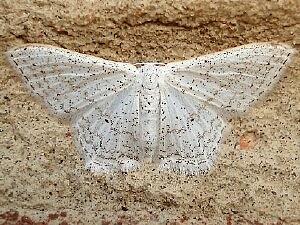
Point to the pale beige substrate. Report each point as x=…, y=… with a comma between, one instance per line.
x=41, y=171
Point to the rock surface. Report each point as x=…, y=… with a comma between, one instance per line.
x=42, y=180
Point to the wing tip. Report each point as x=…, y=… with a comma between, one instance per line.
x=30, y=45
x=289, y=50
x=10, y=54
x=9, y=57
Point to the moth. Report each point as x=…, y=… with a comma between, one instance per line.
x=172, y=114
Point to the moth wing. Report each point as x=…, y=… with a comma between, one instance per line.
x=190, y=133
x=108, y=132
x=232, y=79
x=196, y=92
x=67, y=81
x=99, y=96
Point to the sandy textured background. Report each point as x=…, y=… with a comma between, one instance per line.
x=41, y=174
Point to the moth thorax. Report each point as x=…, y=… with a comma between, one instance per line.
x=150, y=109
x=151, y=74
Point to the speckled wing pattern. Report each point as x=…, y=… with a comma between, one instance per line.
x=100, y=97
x=190, y=132
x=197, y=92
x=105, y=103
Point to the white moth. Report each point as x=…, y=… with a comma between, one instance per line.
x=172, y=114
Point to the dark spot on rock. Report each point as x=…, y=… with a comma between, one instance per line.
x=124, y=208
x=63, y=223
x=10, y=216
x=63, y=214
x=53, y=216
